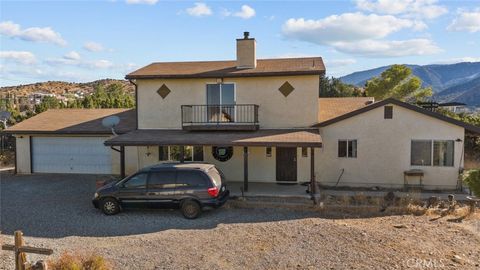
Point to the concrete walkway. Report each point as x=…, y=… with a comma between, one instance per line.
x=299, y=191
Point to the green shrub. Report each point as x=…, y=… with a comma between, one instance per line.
x=472, y=179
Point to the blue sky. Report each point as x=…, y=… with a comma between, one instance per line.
x=88, y=40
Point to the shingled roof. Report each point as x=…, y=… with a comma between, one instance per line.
x=262, y=137
x=329, y=108
x=466, y=126
x=75, y=121
x=217, y=69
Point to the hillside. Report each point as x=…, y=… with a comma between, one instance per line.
x=59, y=88
x=468, y=92
x=454, y=82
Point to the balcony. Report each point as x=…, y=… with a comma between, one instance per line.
x=220, y=117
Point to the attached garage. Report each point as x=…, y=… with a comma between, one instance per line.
x=69, y=141
x=71, y=155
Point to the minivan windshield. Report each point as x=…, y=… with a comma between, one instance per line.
x=216, y=176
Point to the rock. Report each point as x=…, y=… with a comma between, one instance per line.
x=457, y=259
x=400, y=226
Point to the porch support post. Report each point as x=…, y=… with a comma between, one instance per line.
x=122, y=162
x=182, y=154
x=313, y=183
x=245, y=168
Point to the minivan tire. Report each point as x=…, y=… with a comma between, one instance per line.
x=110, y=206
x=190, y=209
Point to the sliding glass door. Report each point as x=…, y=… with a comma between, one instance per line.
x=221, y=102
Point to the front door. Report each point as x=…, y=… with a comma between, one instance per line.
x=221, y=102
x=286, y=163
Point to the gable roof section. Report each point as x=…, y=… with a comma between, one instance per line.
x=405, y=105
x=329, y=108
x=75, y=121
x=222, y=69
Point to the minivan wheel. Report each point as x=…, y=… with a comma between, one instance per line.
x=110, y=206
x=191, y=209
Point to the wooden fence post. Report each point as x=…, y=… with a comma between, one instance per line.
x=20, y=257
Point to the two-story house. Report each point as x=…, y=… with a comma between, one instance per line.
x=258, y=120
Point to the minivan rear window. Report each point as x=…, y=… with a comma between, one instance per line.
x=216, y=176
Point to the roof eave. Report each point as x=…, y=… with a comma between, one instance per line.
x=232, y=75
x=56, y=132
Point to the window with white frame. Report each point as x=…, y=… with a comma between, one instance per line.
x=173, y=153
x=268, y=151
x=432, y=152
x=347, y=148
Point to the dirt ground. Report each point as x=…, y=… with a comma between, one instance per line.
x=55, y=212
x=291, y=241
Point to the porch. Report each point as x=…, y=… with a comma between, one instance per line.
x=286, y=156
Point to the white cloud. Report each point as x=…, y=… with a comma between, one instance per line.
x=466, y=21
x=246, y=12
x=88, y=64
x=360, y=34
x=385, y=48
x=35, y=34
x=340, y=62
x=458, y=60
x=427, y=9
x=22, y=57
x=345, y=27
x=199, y=10
x=102, y=64
x=148, y=2
x=73, y=55
x=93, y=46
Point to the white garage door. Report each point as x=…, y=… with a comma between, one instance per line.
x=71, y=155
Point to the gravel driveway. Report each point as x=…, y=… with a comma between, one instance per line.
x=55, y=211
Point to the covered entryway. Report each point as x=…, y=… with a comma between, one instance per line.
x=70, y=155
x=286, y=164
x=288, y=139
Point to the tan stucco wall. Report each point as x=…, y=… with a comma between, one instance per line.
x=299, y=109
x=131, y=160
x=384, y=149
x=260, y=167
x=23, y=154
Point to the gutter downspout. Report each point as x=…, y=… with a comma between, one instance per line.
x=136, y=102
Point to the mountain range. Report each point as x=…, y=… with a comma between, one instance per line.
x=451, y=82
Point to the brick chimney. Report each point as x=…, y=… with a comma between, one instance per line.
x=246, y=55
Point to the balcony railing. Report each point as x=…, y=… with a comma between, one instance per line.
x=220, y=117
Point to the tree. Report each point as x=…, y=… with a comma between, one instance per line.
x=397, y=82
x=48, y=102
x=333, y=87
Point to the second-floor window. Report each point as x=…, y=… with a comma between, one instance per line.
x=221, y=101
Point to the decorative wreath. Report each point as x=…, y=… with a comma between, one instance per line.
x=222, y=153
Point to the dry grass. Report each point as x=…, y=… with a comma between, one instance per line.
x=79, y=262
